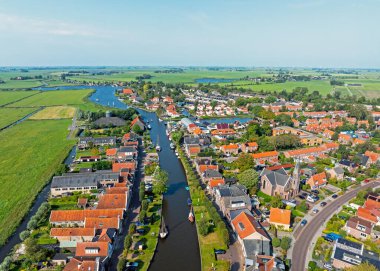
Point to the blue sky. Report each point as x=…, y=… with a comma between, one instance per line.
x=309, y=33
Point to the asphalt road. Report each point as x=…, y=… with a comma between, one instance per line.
x=305, y=236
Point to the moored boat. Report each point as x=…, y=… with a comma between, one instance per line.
x=172, y=146
x=163, y=229
x=189, y=202
x=191, y=216
x=149, y=127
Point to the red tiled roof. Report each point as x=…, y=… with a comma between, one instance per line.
x=78, y=265
x=57, y=232
x=102, y=223
x=366, y=214
x=127, y=91
x=102, y=248
x=317, y=179
x=112, y=201
x=264, y=154
x=111, y=152
x=203, y=168
x=245, y=225
x=280, y=216
x=80, y=215
x=215, y=182
x=116, y=167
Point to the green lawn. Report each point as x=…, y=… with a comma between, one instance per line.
x=10, y=115
x=55, y=97
x=11, y=96
x=31, y=151
x=22, y=84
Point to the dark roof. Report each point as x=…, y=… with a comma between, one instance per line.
x=83, y=179
x=354, y=253
x=338, y=170
x=127, y=149
x=256, y=247
x=98, y=140
x=222, y=126
x=209, y=173
x=235, y=190
x=347, y=163
x=277, y=177
x=363, y=159
x=110, y=121
x=191, y=140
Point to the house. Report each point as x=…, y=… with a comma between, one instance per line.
x=118, y=167
x=64, y=185
x=357, y=141
x=126, y=153
x=348, y=165
x=232, y=197
x=267, y=263
x=214, y=183
x=93, y=250
x=344, y=139
x=87, y=142
x=127, y=91
x=265, y=157
x=252, y=237
x=280, y=218
x=336, y=173
x=168, y=100
x=358, y=228
x=223, y=133
x=70, y=218
x=328, y=133
x=113, y=201
x=73, y=235
x=313, y=152
x=277, y=182
x=370, y=210
x=84, y=264
x=317, y=181
x=137, y=121
x=111, y=153
x=230, y=149
x=102, y=223
x=347, y=254
x=373, y=157
x=109, y=122
x=192, y=149
x=211, y=174
x=249, y=147
x=306, y=138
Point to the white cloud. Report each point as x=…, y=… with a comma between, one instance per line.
x=18, y=24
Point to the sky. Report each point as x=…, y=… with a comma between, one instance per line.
x=253, y=33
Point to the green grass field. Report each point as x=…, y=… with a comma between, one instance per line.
x=14, y=84
x=11, y=96
x=31, y=152
x=55, y=112
x=55, y=97
x=10, y=115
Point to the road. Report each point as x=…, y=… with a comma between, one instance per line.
x=305, y=236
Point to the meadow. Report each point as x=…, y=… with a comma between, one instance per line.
x=31, y=152
x=11, y=96
x=10, y=115
x=55, y=97
x=55, y=112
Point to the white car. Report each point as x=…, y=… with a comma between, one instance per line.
x=315, y=211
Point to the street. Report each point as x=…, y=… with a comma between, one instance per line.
x=304, y=236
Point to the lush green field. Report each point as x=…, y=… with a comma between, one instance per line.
x=54, y=97
x=31, y=152
x=10, y=115
x=14, y=84
x=11, y=96
x=55, y=112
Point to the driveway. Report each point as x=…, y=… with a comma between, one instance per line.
x=304, y=235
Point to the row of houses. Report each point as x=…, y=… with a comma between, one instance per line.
x=90, y=232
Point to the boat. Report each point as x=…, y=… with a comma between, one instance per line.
x=191, y=216
x=163, y=230
x=97, y=99
x=172, y=146
x=176, y=153
x=160, y=120
x=189, y=202
x=158, y=147
x=149, y=127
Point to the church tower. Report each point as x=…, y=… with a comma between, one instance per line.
x=296, y=179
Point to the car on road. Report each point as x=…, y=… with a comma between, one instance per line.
x=334, y=196
x=220, y=251
x=315, y=192
x=323, y=204
x=301, y=197
x=328, y=266
x=315, y=211
x=303, y=222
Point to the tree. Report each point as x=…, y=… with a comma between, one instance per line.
x=276, y=202
x=142, y=216
x=250, y=179
x=61, y=169
x=245, y=161
x=362, y=267
x=24, y=235
x=127, y=242
x=32, y=224
x=121, y=264
x=160, y=183
x=285, y=243
x=132, y=229
x=137, y=129
x=276, y=242
x=203, y=227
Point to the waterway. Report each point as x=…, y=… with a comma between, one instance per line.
x=180, y=250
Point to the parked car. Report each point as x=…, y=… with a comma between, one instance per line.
x=334, y=196
x=303, y=222
x=323, y=204
x=315, y=211
x=328, y=239
x=132, y=266
x=312, y=198
x=367, y=180
x=301, y=197
x=328, y=266
x=220, y=251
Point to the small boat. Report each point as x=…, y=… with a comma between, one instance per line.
x=163, y=230
x=191, y=216
x=160, y=120
x=189, y=202
x=97, y=99
x=172, y=146
x=176, y=153
x=158, y=147
x=149, y=127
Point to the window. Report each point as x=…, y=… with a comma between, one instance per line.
x=363, y=234
x=241, y=226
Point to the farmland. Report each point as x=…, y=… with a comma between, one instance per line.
x=27, y=164
x=11, y=96
x=10, y=115
x=55, y=112
x=56, y=97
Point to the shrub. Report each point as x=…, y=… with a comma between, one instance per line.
x=32, y=224
x=132, y=229
x=203, y=227
x=142, y=216
x=127, y=242
x=144, y=205
x=276, y=242
x=121, y=264
x=285, y=243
